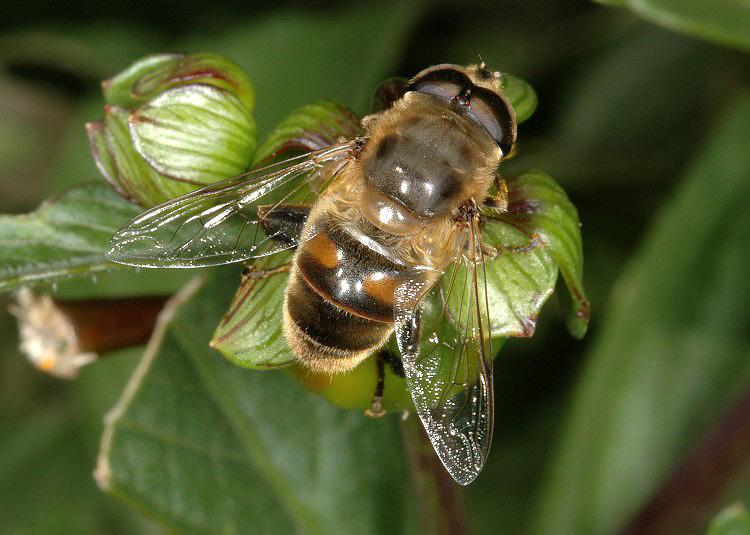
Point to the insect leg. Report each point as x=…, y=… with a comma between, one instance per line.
x=535, y=241
x=251, y=273
x=382, y=359
x=492, y=251
x=392, y=361
x=376, y=408
x=283, y=223
x=498, y=200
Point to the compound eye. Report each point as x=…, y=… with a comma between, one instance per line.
x=483, y=106
x=445, y=83
x=493, y=113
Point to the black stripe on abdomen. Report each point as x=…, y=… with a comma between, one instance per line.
x=347, y=272
x=328, y=324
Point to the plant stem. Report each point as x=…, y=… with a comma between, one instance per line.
x=105, y=325
x=60, y=336
x=440, y=499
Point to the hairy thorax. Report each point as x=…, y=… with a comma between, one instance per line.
x=421, y=162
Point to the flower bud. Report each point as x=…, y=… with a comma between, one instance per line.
x=173, y=123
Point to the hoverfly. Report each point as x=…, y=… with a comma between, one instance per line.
x=388, y=217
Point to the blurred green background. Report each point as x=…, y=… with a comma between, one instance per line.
x=643, y=118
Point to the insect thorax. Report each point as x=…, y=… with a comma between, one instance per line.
x=422, y=161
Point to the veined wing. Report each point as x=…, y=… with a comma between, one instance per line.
x=448, y=360
x=220, y=224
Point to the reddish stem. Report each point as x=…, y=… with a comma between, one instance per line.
x=105, y=325
x=686, y=501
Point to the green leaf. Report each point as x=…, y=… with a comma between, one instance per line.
x=104, y=158
x=311, y=127
x=118, y=91
x=154, y=74
x=540, y=206
x=721, y=21
x=673, y=353
x=204, y=69
x=123, y=167
x=538, y=234
x=192, y=126
x=195, y=133
x=205, y=445
x=519, y=280
x=732, y=520
x=521, y=96
x=48, y=467
x=295, y=56
x=250, y=334
x=65, y=236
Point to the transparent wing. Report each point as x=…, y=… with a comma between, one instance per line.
x=220, y=224
x=448, y=359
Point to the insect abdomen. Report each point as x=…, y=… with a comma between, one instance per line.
x=324, y=336
x=338, y=307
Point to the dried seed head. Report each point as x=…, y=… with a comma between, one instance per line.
x=48, y=337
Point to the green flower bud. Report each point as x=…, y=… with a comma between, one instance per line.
x=356, y=389
x=174, y=123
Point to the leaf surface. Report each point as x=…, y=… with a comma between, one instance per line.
x=250, y=332
x=125, y=169
x=195, y=133
x=732, y=520
x=526, y=246
x=311, y=127
x=203, y=444
x=721, y=21
x=65, y=236
x=295, y=57
x=673, y=352
x=521, y=95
